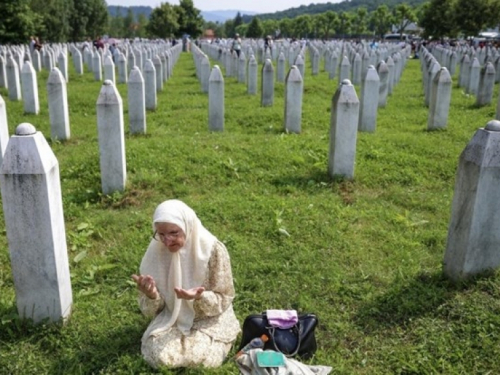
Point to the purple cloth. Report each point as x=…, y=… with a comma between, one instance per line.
x=282, y=318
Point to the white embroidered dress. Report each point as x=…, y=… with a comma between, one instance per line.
x=187, y=333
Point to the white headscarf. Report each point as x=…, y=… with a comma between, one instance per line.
x=185, y=268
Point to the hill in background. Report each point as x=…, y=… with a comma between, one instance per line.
x=116, y=10
x=344, y=6
x=220, y=16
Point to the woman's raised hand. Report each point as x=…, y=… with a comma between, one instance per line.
x=146, y=285
x=193, y=293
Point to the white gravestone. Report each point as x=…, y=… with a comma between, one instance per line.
x=4, y=129
x=280, y=71
x=109, y=69
x=204, y=73
x=343, y=131
x=30, y=89
x=299, y=63
x=3, y=72
x=242, y=68
x=345, y=70
x=474, y=76
x=136, y=102
x=158, y=72
x=13, y=82
x=383, y=74
x=473, y=244
x=150, y=85
x=122, y=68
x=62, y=62
x=111, y=139
x=34, y=221
x=58, y=105
x=77, y=61
x=216, y=100
x=357, y=69
x=97, y=66
x=440, y=99
x=486, y=85
x=252, y=76
x=267, y=88
x=294, y=87
x=369, y=101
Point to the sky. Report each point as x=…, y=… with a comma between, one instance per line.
x=259, y=6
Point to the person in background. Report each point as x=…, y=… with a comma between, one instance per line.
x=236, y=45
x=268, y=43
x=186, y=285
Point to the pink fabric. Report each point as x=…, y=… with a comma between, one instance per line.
x=282, y=318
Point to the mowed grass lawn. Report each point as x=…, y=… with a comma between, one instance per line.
x=364, y=255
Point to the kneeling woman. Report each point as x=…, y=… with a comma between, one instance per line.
x=186, y=284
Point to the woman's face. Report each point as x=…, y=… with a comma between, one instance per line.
x=170, y=235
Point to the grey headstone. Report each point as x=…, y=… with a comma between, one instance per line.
x=136, y=102
x=111, y=139
x=34, y=222
x=58, y=105
x=439, y=105
x=343, y=131
x=294, y=88
x=473, y=244
x=216, y=100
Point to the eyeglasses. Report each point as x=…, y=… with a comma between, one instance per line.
x=168, y=236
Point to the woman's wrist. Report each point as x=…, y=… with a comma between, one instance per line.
x=153, y=296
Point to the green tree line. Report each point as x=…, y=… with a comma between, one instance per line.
x=437, y=18
x=51, y=20
x=77, y=20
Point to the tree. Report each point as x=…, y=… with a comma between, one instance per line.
x=116, y=26
x=438, y=19
x=302, y=26
x=242, y=29
x=381, y=20
x=345, y=22
x=189, y=19
x=285, y=26
x=217, y=28
x=18, y=21
x=403, y=16
x=142, y=24
x=229, y=28
x=269, y=27
x=88, y=18
x=472, y=16
x=360, y=24
x=327, y=23
x=255, y=29
x=54, y=24
x=163, y=22
x=238, y=20
x=129, y=26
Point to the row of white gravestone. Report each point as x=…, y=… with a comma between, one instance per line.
x=473, y=242
x=32, y=201
x=35, y=226
x=374, y=92
x=479, y=70
x=437, y=84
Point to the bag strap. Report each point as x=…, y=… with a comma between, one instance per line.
x=298, y=328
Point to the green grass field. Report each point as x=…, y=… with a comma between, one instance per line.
x=364, y=255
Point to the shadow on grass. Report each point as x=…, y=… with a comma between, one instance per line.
x=103, y=351
x=419, y=297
